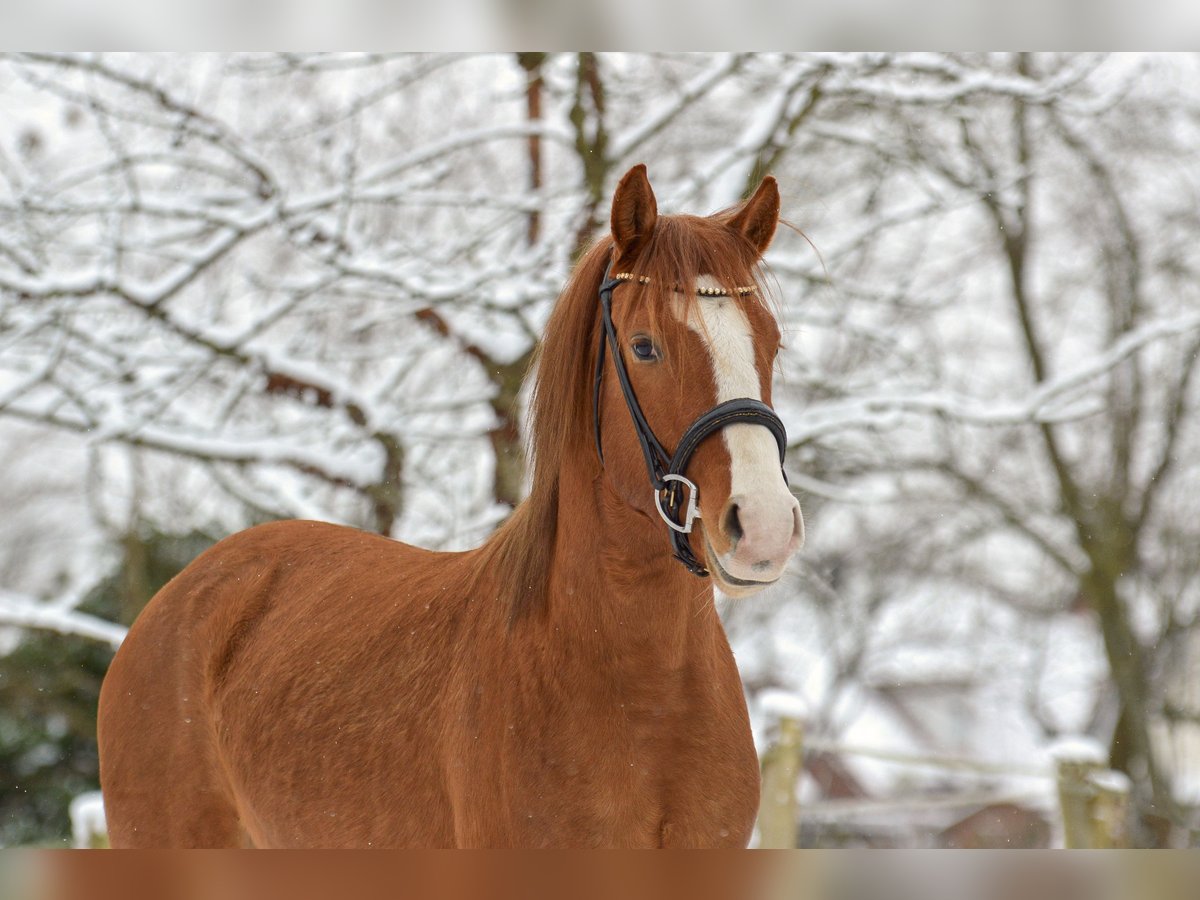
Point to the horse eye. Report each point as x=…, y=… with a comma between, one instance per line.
x=643, y=348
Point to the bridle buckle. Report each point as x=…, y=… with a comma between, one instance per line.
x=692, y=511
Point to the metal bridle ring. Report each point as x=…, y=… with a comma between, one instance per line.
x=692, y=511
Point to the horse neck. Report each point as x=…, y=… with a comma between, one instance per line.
x=615, y=590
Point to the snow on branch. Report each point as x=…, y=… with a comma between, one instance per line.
x=936, y=79
x=1048, y=403
x=462, y=140
x=187, y=117
x=20, y=611
x=658, y=119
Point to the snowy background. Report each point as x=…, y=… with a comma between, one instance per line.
x=239, y=288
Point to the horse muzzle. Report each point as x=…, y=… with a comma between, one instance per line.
x=762, y=531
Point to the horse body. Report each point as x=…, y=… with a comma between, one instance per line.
x=285, y=722
x=565, y=685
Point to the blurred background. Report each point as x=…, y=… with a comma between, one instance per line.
x=235, y=288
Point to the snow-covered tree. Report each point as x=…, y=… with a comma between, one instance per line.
x=235, y=288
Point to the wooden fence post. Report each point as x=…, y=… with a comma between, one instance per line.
x=777, y=814
x=1110, y=812
x=1094, y=800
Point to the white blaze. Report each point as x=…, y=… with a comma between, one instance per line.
x=724, y=328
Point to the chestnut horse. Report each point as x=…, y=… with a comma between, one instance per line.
x=567, y=684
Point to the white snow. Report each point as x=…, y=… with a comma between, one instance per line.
x=88, y=825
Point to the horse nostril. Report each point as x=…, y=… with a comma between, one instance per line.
x=732, y=524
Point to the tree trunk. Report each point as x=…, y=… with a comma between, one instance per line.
x=507, y=447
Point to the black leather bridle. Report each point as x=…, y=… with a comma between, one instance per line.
x=667, y=471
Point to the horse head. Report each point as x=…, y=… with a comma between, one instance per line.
x=685, y=395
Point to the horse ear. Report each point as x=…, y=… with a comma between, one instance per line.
x=634, y=212
x=757, y=220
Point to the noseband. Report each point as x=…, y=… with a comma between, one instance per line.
x=667, y=471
